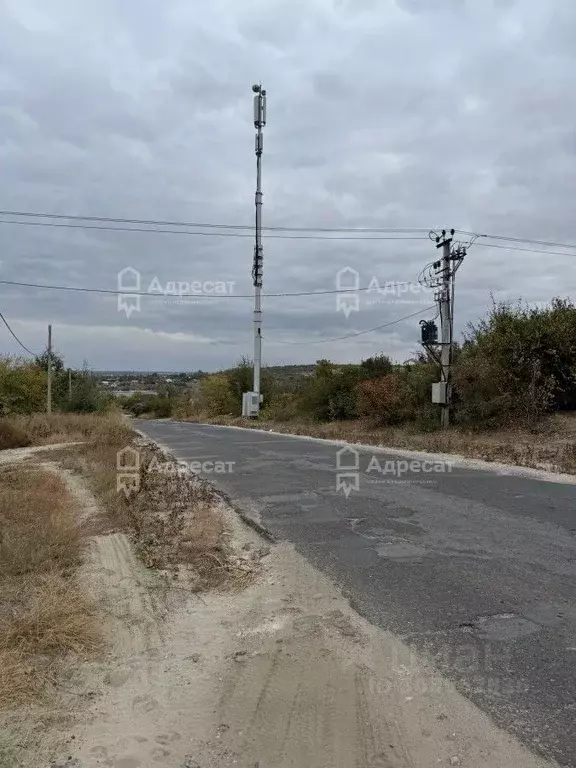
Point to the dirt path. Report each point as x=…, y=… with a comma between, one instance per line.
x=282, y=674
x=15, y=455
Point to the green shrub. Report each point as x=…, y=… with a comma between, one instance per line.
x=241, y=379
x=517, y=364
x=160, y=406
x=87, y=395
x=330, y=394
x=376, y=367
x=284, y=407
x=22, y=387
x=216, y=397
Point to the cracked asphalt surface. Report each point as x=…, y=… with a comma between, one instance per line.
x=475, y=569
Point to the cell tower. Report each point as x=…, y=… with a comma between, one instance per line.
x=252, y=401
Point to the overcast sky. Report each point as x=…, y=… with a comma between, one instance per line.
x=381, y=113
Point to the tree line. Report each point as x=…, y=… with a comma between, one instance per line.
x=513, y=367
x=24, y=383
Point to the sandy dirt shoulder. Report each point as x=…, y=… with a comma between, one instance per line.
x=281, y=674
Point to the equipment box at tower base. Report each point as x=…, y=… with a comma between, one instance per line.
x=439, y=390
x=250, y=404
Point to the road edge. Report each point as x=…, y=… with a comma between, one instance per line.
x=457, y=460
x=250, y=521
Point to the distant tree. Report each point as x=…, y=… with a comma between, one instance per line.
x=87, y=395
x=330, y=394
x=57, y=361
x=22, y=386
x=375, y=367
x=216, y=397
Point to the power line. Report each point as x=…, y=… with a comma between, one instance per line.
x=525, y=240
x=526, y=250
x=107, y=228
x=7, y=324
x=360, y=333
x=128, y=292
x=169, y=223
x=512, y=239
x=278, y=237
x=204, y=225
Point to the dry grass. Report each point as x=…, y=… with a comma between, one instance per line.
x=551, y=445
x=44, y=429
x=173, y=518
x=43, y=616
x=12, y=436
x=47, y=627
x=39, y=527
x=46, y=614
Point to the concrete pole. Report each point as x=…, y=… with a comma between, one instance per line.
x=446, y=323
x=258, y=257
x=259, y=123
x=49, y=382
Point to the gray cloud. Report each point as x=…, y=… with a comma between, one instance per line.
x=390, y=114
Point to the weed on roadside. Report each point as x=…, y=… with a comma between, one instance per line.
x=43, y=616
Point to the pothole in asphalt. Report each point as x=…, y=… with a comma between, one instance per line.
x=501, y=626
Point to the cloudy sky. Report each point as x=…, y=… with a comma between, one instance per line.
x=381, y=114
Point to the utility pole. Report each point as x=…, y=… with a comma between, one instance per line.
x=257, y=268
x=441, y=276
x=446, y=329
x=49, y=382
x=69, y=385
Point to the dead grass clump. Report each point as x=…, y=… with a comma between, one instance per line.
x=43, y=429
x=47, y=614
x=43, y=616
x=12, y=436
x=38, y=523
x=173, y=516
x=179, y=521
x=42, y=621
x=176, y=520
x=20, y=680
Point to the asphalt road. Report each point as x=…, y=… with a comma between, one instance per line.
x=474, y=568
